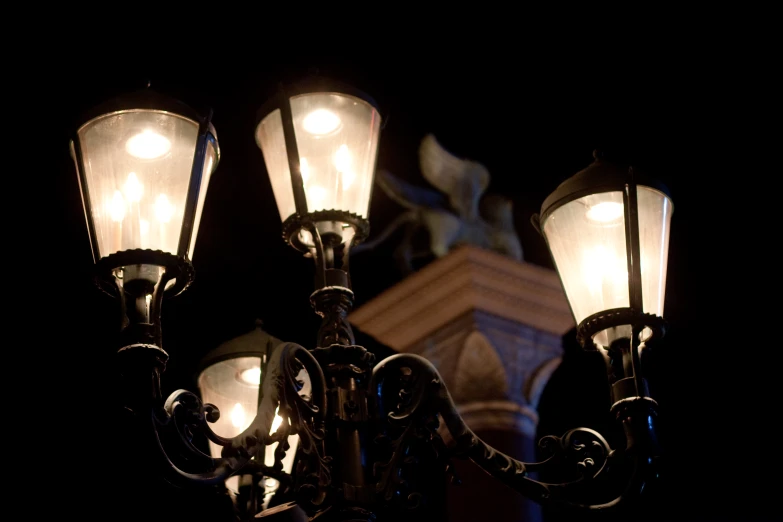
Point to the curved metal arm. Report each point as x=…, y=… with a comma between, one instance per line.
x=410, y=390
x=183, y=415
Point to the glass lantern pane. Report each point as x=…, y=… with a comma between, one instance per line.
x=209, y=165
x=137, y=167
x=587, y=240
x=655, y=214
x=337, y=137
x=271, y=140
x=232, y=385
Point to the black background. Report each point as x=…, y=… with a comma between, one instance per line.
x=532, y=115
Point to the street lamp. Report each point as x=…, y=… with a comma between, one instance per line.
x=356, y=427
x=143, y=162
x=319, y=139
x=229, y=377
x=607, y=229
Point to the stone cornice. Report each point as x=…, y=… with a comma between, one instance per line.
x=466, y=279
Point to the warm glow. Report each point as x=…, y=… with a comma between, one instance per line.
x=117, y=207
x=148, y=145
x=321, y=121
x=276, y=422
x=251, y=376
x=144, y=227
x=316, y=196
x=238, y=417
x=163, y=209
x=348, y=177
x=602, y=267
x=605, y=211
x=304, y=168
x=342, y=162
x=342, y=159
x=133, y=188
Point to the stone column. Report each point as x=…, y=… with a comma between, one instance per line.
x=493, y=328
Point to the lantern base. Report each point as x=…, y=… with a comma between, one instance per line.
x=593, y=324
x=328, y=223
x=177, y=274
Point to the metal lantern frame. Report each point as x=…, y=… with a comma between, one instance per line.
x=177, y=266
x=327, y=273
x=602, y=176
x=629, y=388
x=365, y=428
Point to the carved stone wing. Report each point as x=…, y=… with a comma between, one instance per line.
x=462, y=180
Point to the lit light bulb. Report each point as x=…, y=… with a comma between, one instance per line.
x=278, y=420
x=304, y=168
x=320, y=122
x=251, y=376
x=133, y=188
x=148, y=145
x=602, y=266
x=605, y=212
x=163, y=209
x=117, y=207
x=342, y=159
x=238, y=417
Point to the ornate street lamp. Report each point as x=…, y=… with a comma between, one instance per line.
x=320, y=142
x=357, y=428
x=144, y=162
x=229, y=378
x=607, y=229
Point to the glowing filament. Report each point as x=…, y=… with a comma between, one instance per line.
x=147, y=145
x=163, y=209
x=602, y=267
x=605, y=212
x=133, y=188
x=251, y=376
x=238, y=417
x=320, y=122
x=117, y=207
x=342, y=159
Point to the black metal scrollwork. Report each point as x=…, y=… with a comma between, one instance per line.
x=409, y=389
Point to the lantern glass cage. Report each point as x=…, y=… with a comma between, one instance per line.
x=137, y=168
x=588, y=242
x=337, y=140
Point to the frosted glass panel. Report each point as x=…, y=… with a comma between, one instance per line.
x=337, y=137
x=232, y=385
x=587, y=240
x=270, y=138
x=137, y=167
x=655, y=214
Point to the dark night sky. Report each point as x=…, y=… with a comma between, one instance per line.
x=533, y=120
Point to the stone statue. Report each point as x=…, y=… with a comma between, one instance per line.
x=459, y=212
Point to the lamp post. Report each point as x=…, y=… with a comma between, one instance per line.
x=607, y=229
x=357, y=429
